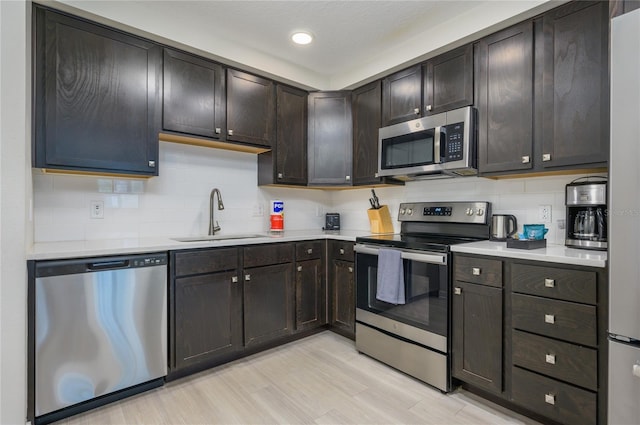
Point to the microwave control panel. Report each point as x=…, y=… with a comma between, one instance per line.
x=454, y=136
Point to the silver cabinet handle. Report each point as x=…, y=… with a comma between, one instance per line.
x=546, y=157
x=347, y=178
x=457, y=291
x=234, y=279
x=550, y=358
x=428, y=108
x=230, y=132
x=416, y=111
x=152, y=164
x=341, y=251
x=218, y=130
x=476, y=271
x=247, y=277
x=526, y=159
x=550, y=398
x=350, y=269
x=299, y=268
x=310, y=251
x=549, y=283
x=549, y=318
x=280, y=175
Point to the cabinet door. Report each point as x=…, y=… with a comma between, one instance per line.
x=193, y=98
x=575, y=98
x=311, y=305
x=208, y=317
x=268, y=303
x=291, y=141
x=448, y=81
x=504, y=84
x=402, y=96
x=343, y=317
x=97, y=98
x=367, y=120
x=250, y=108
x=477, y=335
x=330, y=138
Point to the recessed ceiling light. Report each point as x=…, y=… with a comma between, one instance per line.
x=301, y=37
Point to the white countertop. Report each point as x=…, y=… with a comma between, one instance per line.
x=552, y=253
x=93, y=248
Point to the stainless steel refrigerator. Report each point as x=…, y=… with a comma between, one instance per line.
x=624, y=222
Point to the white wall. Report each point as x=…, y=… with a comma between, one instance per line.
x=15, y=183
x=176, y=203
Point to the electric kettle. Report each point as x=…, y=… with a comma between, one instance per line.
x=503, y=226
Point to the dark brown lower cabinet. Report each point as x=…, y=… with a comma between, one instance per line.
x=208, y=317
x=477, y=335
x=268, y=303
x=311, y=299
x=343, y=317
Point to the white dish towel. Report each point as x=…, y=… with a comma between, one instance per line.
x=390, y=277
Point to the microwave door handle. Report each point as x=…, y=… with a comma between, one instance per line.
x=436, y=145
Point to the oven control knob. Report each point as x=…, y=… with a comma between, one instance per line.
x=402, y=211
x=480, y=212
x=409, y=211
x=469, y=211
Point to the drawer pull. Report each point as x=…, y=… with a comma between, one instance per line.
x=350, y=269
x=457, y=291
x=234, y=279
x=476, y=271
x=550, y=398
x=550, y=318
x=341, y=251
x=310, y=251
x=550, y=358
x=549, y=283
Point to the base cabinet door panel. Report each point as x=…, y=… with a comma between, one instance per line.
x=477, y=335
x=268, y=303
x=208, y=317
x=343, y=297
x=311, y=311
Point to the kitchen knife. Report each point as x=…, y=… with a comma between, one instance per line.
x=376, y=201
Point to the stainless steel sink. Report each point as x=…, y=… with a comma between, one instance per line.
x=218, y=237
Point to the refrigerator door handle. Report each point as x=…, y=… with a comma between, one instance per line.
x=636, y=370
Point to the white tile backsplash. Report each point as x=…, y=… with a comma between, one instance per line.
x=176, y=203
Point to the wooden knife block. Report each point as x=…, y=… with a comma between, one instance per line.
x=380, y=220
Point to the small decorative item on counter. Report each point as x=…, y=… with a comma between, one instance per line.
x=534, y=231
x=277, y=216
x=531, y=238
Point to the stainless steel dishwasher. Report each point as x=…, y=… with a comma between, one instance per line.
x=99, y=327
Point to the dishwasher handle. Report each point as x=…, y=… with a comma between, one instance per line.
x=108, y=265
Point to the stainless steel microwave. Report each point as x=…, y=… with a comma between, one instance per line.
x=441, y=145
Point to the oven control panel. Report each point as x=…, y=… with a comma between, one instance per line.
x=452, y=212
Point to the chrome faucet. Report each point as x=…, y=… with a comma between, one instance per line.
x=213, y=229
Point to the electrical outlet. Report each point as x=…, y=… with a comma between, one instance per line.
x=96, y=209
x=544, y=213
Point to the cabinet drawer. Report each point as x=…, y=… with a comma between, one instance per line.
x=478, y=270
x=571, y=363
x=552, y=282
x=341, y=250
x=558, y=319
x=263, y=255
x=205, y=261
x=308, y=250
x=561, y=402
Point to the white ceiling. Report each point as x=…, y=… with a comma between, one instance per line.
x=354, y=40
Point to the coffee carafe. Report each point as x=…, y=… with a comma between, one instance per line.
x=587, y=214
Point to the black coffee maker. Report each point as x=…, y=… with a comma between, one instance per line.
x=586, y=203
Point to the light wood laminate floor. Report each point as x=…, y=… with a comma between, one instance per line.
x=321, y=379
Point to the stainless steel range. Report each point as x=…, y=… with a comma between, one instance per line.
x=411, y=333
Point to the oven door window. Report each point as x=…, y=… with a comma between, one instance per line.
x=426, y=293
x=408, y=150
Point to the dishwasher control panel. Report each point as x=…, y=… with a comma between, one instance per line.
x=149, y=261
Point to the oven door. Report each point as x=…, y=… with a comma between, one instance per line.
x=424, y=318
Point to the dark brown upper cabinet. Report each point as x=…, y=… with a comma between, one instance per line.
x=250, y=108
x=330, y=138
x=286, y=163
x=194, y=95
x=504, y=99
x=575, y=85
x=402, y=96
x=367, y=120
x=96, y=97
x=448, y=81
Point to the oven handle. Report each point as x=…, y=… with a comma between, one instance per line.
x=419, y=256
